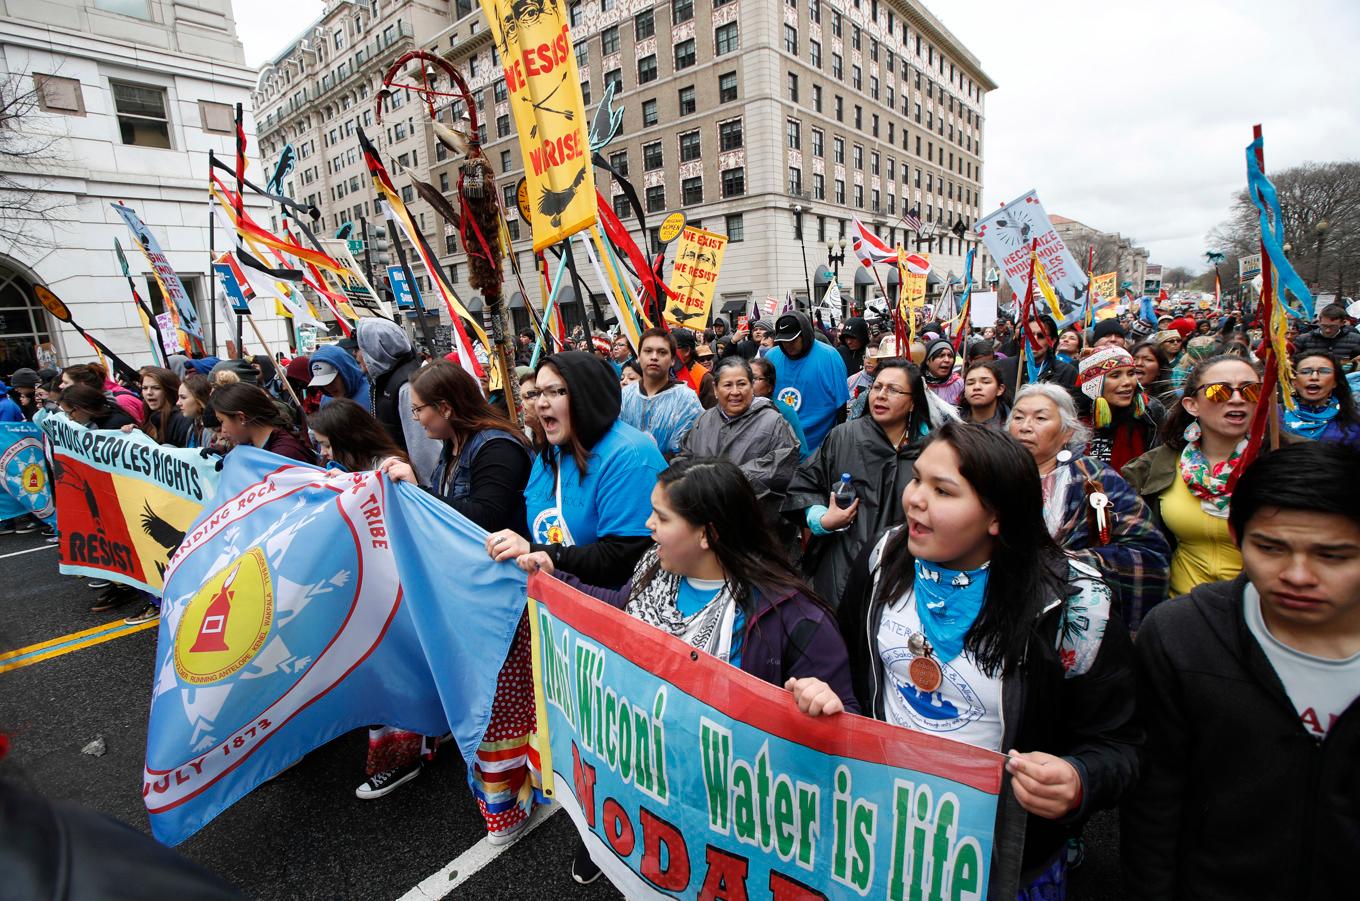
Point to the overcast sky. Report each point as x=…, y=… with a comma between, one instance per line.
x=1131, y=118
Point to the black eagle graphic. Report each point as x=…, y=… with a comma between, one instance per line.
x=554, y=203
x=161, y=532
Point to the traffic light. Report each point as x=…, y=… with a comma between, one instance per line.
x=381, y=249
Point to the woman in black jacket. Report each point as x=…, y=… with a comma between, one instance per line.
x=164, y=422
x=970, y=623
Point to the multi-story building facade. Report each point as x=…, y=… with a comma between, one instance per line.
x=1113, y=251
x=128, y=97
x=774, y=122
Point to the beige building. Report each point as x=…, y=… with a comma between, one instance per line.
x=771, y=122
x=1113, y=251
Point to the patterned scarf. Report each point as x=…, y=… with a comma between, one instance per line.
x=1206, y=482
x=947, y=603
x=1311, y=422
x=653, y=601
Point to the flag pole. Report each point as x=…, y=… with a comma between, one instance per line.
x=212, y=258
x=1026, y=308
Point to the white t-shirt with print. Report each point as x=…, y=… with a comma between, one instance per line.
x=1320, y=688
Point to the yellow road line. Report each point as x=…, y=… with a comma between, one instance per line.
x=94, y=639
x=8, y=655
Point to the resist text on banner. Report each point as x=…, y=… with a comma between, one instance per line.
x=165, y=273
x=1008, y=233
x=689, y=778
x=698, y=259
x=124, y=502
x=27, y=488
x=545, y=98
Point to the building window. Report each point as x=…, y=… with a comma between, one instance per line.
x=859, y=196
x=692, y=191
x=684, y=54
x=451, y=243
x=585, y=93
x=840, y=191
x=815, y=53
x=817, y=97
x=141, y=114
x=727, y=87
x=609, y=40
x=838, y=150
x=138, y=9
x=582, y=54
x=444, y=187
x=217, y=118
x=857, y=155
x=874, y=201
x=736, y=229
x=734, y=182
x=647, y=69
x=614, y=77
x=681, y=11
x=644, y=25
x=729, y=135
x=651, y=156
x=815, y=11
x=791, y=39
x=793, y=86
x=503, y=125
x=837, y=66
x=818, y=188
x=873, y=87
x=873, y=162
x=856, y=77
x=840, y=108
x=499, y=91
x=795, y=180
x=818, y=147
x=62, y=95
x=513, y=228
x=687, y=101
x=656, y=198
x=619, y=162
x=649, y=115
x=794, y=129
x=408, y=194
x=835, y=23
x=726, y=39
x=621, y=205
x=689, y=146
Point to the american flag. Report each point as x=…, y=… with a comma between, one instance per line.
x=913, y=219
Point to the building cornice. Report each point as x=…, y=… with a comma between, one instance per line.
x=925, y=22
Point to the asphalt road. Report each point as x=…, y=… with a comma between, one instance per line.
x=303, y=835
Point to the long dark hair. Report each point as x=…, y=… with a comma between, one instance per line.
x=87, y=399
x=1179, y=418
x=158, y=421
x=254, y=403
x=469, y=413
x=918, y=419
x=715, y=494
x=1163, y=361
x=1028, y=569
x=356, y=437
x=994, y=368
x=1347, y=415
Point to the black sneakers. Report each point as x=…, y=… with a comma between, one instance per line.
x=383, y=783
x=583, y=868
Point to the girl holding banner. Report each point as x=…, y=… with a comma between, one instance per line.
x=969, y=622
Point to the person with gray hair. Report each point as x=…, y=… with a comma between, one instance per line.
x=1089, y=509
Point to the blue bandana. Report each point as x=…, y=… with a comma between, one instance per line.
x=947, y=603
x=1311, y=422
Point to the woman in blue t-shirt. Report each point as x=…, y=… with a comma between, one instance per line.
x=589, y=493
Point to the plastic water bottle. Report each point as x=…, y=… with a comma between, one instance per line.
x=845, y=491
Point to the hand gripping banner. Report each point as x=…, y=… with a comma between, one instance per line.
x=689, y=778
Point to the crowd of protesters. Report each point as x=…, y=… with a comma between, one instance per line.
x=1058, y=555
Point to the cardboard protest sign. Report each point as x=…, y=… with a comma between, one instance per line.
x=1009, y=233
x=698, y=258
x=123, y=501
x=689, y=778
x=165, y=274
x=536, y=54
x=1105, y=288
x=23, y=470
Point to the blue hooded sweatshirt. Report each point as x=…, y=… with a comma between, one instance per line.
x=356, y=383
x=9, y=410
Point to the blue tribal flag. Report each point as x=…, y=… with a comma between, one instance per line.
x=23, y=467
x=304, y=604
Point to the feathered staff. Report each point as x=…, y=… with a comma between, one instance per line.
x=479, y=212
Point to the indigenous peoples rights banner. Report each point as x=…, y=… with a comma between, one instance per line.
x=698, y=258
x=124, y=502
x=165, y=274
x=536, y=54
x=1009, y=233
x=303, y=604
x=23, y=469
x=689, y=778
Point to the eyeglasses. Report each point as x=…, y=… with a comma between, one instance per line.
x=554, y=392
x=531, y=394
x=890, y=390
x=1222, y=392
x=760, y=378
x=1314, y=370
x=416, y=408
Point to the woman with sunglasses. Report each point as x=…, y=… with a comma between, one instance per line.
x=1185, y=480
x=876, y=451
x=1324, y=407
x=969, y=622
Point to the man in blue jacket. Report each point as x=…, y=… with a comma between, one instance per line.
x=810, y=375
x=338, y=374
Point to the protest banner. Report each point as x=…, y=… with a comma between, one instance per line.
x=1248, y=267
x=698, y=258
x=166, y=277
x=913, y=271
x=1105, y=288
x=23, y=467
x=1008, y=234
x=983, y=310
x=405, y=293
x=123, y=501
x=305, y=603
x=689, y=778
x=536, y=55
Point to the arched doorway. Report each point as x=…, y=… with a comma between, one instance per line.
x=23, y=323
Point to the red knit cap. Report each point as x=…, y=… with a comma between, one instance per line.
x=1185, y=325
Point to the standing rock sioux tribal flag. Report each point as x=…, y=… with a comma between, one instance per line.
x=306, y=603
x=535, y=47
x=23, y=468
x=124, y=502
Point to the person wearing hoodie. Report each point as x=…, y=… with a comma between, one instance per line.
x=589, y=492
x=854, y=340
x=812, y=376
x=9, y=409
x=24, y=391
x=388, y=359
x=689, y=370
x=751, y=341
x=1249, y=690
x=337, y=374
x=939, y=373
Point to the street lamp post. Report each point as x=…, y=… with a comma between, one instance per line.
x=798, y=227
x=1321, y=230
x=835, y=255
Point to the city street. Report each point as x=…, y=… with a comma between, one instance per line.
x=304, y=834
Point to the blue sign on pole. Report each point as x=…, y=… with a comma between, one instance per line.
x=406, y=293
